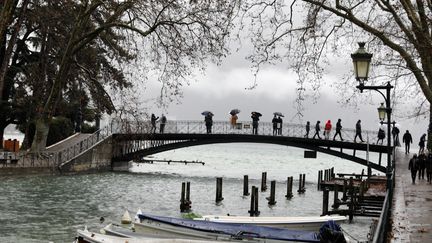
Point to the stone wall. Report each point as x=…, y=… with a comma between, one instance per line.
x=98, y=158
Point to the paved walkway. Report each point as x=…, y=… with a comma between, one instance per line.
x=412, y=205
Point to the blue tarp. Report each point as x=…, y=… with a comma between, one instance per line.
x=233, y=229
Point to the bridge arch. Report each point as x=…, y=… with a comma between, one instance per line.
x=128, y=147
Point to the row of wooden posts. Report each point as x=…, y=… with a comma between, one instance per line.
x=185, y=202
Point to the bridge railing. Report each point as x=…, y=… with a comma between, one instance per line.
x=81, y=146
x=242, y=127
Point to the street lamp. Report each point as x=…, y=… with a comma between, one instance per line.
x=382, y=112
x=361, y=61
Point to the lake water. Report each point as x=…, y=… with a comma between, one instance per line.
x=51, y=208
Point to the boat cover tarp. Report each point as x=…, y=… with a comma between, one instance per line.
x=237, y=230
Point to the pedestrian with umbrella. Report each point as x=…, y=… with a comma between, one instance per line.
x=255, y=118
x=274, y=122
x=279, y=122
x=234, y=117
x=208, y=119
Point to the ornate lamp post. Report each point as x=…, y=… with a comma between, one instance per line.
x=361, y=61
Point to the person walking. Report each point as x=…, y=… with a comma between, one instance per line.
x=208, y=119
x=153, y=120
x=412, y=166
x=429, y=168
x=338, y=130
x=327, y=129
x=317, y=130
x=358, y=132
x=422, y=143
x=381, y=135
x=255, y=120
x=279, y=125
x=421, y=165
x=307, y=129
x=407, y=139
x=395, y=133
x=233, y=120
x=162, y=124
x=275, y=123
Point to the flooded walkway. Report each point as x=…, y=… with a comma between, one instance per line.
x=412, y=205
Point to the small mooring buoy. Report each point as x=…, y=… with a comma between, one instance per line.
x=126, y=219
x=136, y=215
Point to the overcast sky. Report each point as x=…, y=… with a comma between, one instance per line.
x=224, y=87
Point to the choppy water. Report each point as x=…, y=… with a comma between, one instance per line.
x=52, y=208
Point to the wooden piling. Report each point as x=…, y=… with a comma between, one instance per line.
x=325, y=201
x=304, y=183
x=332, y=175
x=246, y=185
x=320, y=179
x=289, y=187
x=264, y=182
x=185, y=197
x=219, y=197
x=254, y=202
x=272, y=198
x=188, y=193
x=257, y=212
x=335, y=197
x=344, y=190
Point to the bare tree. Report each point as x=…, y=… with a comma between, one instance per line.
x=178, y=37
x=307, y=34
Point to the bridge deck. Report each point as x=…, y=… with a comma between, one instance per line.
x=412, y=205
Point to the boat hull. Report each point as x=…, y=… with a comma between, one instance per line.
x=195, y=229
x=293, y=223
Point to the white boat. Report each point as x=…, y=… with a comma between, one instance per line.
x=85, y=236
x=308, y=223
x=201, y=229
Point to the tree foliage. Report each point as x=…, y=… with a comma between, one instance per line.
x=309, y=34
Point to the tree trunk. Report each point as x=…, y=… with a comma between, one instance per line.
x=41, y=134
x=429, y=136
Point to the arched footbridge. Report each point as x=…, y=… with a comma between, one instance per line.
x=133, y=141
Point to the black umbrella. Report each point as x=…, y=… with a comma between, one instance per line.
x=234, y=112
x=256, y=113
x=205, y=113
x=277, y=113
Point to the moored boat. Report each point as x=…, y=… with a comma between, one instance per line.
x=201, y=229
x=308, y=223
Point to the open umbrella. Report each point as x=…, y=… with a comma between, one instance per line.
x=234, y=112
x=256, y=113
x=205, y=113
x=277, y=113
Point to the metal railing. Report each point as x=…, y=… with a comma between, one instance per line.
x=225, y=127
x=382, y=226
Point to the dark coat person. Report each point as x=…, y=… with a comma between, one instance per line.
x=275, y=123
x=338, y=130
x=429, y=168
x=407, y=139
x=317, y=130
x=412, y=166
x=381, y=135
x=395, y=133
x=307, y=129
x=358, y=132
x=163, y=121
x=208, y=119
x=255, y=120
x=153, y=120
x=421, y=165
x=422, y=143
